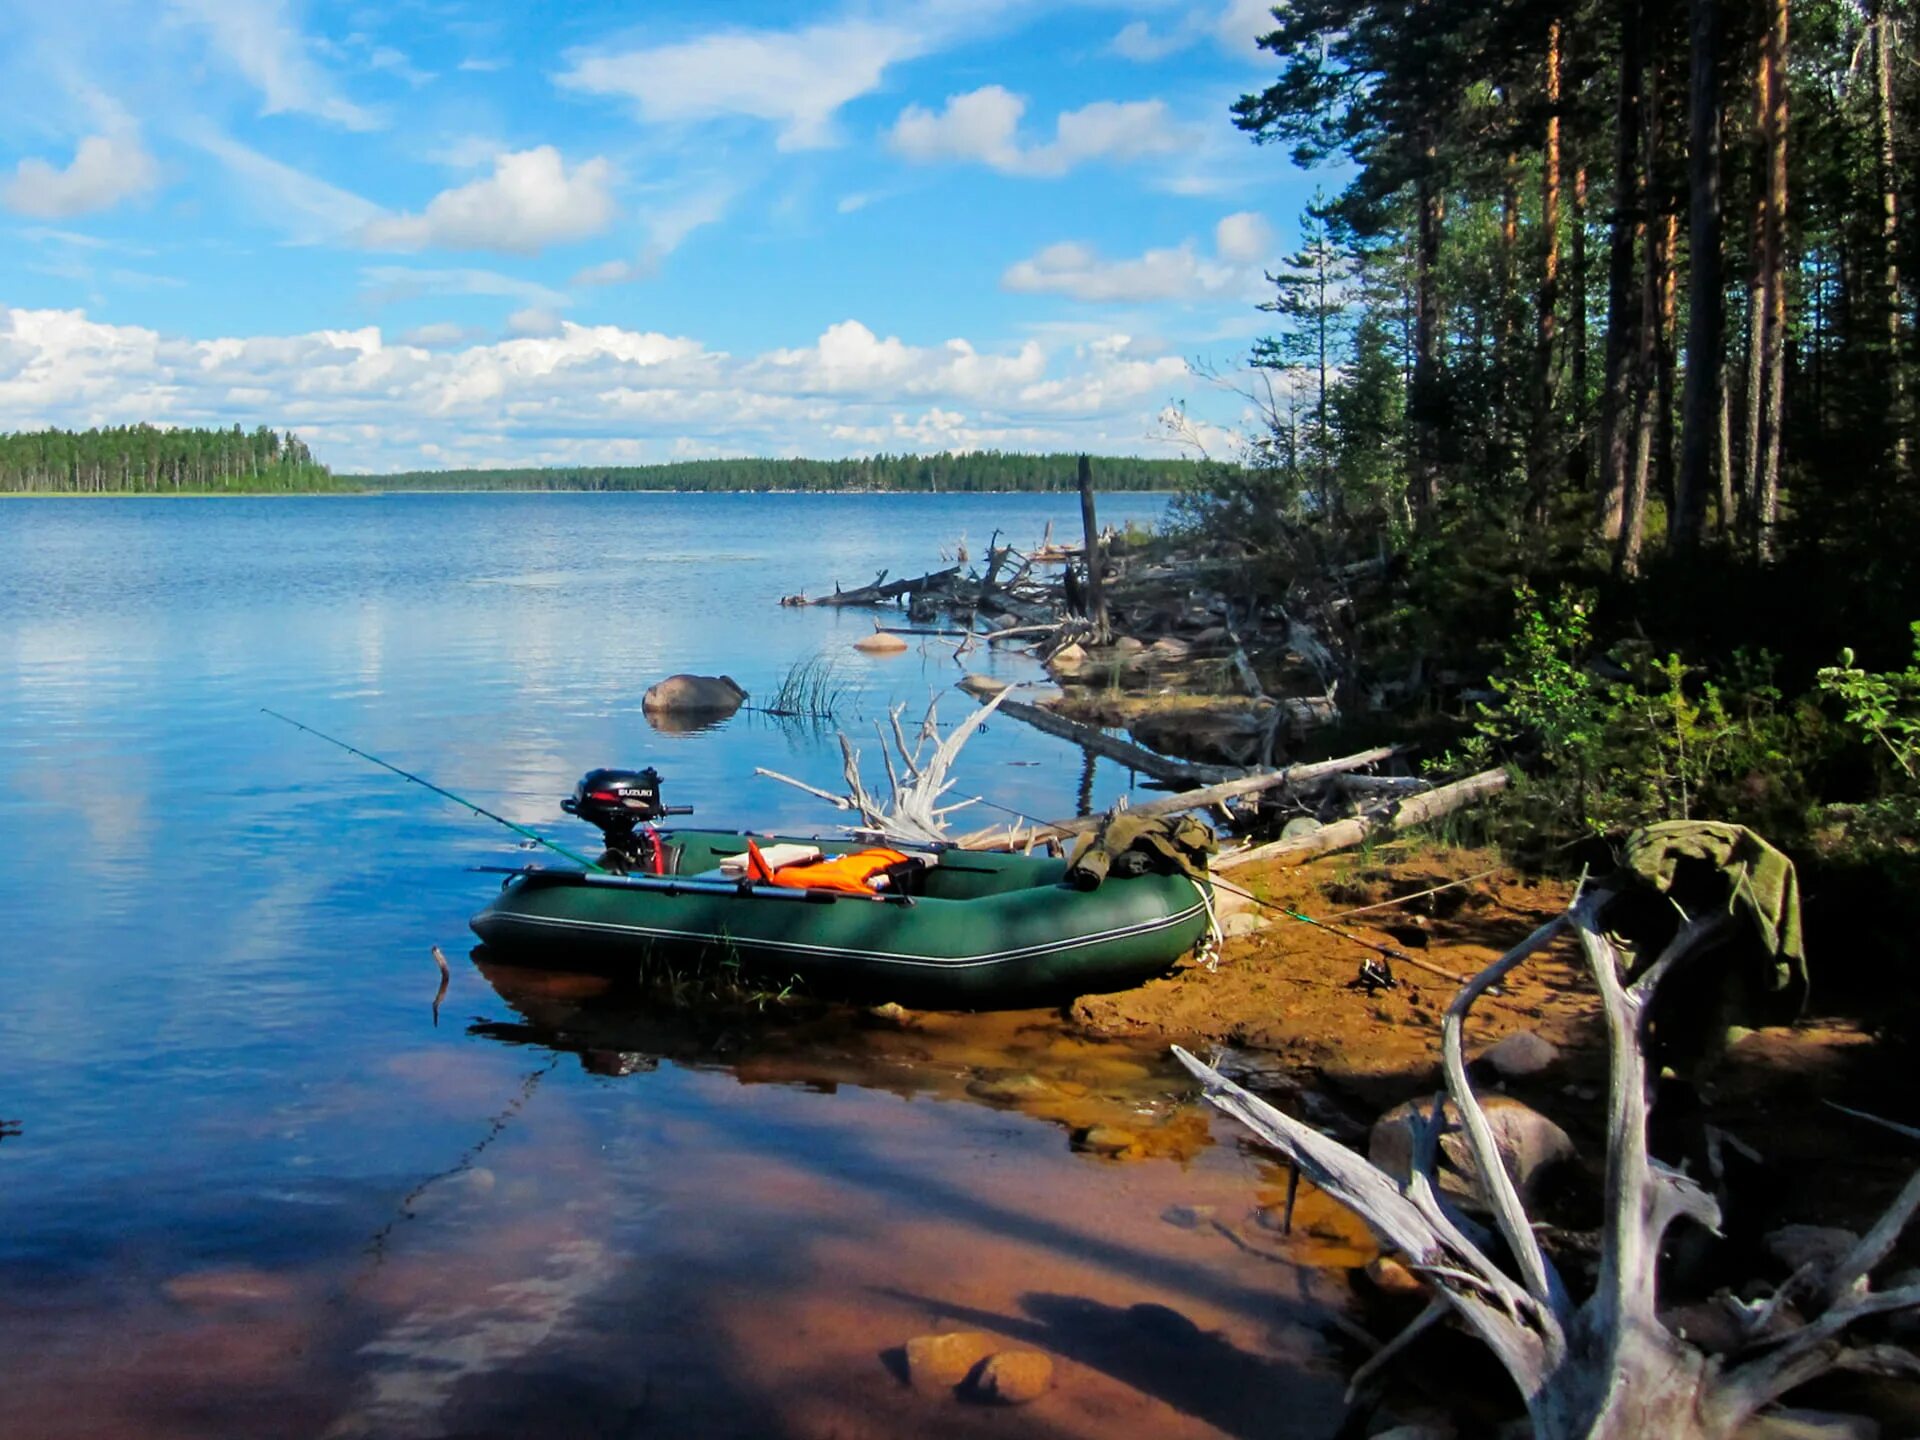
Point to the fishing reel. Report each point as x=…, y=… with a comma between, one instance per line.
x=622, y=805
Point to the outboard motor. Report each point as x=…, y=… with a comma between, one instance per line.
x=623, y=804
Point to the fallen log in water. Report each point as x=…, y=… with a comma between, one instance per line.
x=1091, y=737
x=883, y=590
x=1295, y=777
x=1344, y=834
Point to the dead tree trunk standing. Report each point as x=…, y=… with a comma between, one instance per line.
x=1628, y=226
x=1702, y=403
x=1882, y=40
x=1666, y=358
x=1541, y=451
x=1096, y=594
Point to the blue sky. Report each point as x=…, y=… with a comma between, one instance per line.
x=430, y=233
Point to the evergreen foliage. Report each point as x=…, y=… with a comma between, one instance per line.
x=980, y=470
x=148, y=460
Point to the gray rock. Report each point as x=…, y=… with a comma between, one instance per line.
x=1300, y=825
x=707, y=694
x=1187, y=1217
x=1530, y=1145
x=1519, y=1055
x=984, y=687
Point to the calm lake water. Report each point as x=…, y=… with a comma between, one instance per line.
x=258, y=1189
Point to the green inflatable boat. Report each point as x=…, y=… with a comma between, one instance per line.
x=932, y=926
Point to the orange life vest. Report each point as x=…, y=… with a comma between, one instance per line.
x=849, y=874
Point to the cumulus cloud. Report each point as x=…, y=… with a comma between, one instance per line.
x=370, y=403
x=982, y=126
x=105, y=170
x=796, y=80
x=666, y=226
x=530, y=201
x=1242, y=242
x=1235, y=26
x=262, y=41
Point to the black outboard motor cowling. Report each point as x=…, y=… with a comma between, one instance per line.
x=618, y=803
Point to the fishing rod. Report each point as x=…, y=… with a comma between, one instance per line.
x=534, y=836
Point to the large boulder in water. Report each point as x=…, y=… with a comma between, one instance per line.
x=708, y=696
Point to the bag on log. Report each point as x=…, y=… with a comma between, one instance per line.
x=1138, y=845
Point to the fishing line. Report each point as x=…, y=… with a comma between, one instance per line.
x=460, y=800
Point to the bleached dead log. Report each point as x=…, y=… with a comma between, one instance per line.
x=1604, y=1368
x=1344, y=834
x=1297, y=778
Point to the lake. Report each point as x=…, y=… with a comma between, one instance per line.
x=259, y=1187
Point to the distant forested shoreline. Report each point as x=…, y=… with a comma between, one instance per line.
x=981, y=470
x=149, y=460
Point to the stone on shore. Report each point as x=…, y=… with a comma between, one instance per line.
x=1529, y=1145
x=940, y=1362
x=1015, y=1377
x=1519, y=1055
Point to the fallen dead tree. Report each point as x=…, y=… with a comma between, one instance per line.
x=1345, y=834
x=1606, y=1367
x=1096, y=740
x=881, y=590
x=1297, y=778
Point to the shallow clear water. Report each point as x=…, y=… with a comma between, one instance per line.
x=259, y=1189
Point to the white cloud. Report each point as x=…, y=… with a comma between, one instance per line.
x=105, y=170
x=530, y=201
x=264, y=42
x=1242, y=241
x=983, y=126
x=534, y=321
x=1244, y=237
x=308, y=209
x=795, y=79
x=386, y=284
x=438, y=335
x=666, y=226
x=432, y=399
x=1234, y=26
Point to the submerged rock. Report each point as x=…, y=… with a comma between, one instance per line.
x=694, y=694
x=880, y=644
x=1108, y=1140
x=940, y=1362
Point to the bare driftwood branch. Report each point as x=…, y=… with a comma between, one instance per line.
x=1605, y=1368
x=1293, y=777
x=915, y=785
x=1344, y=834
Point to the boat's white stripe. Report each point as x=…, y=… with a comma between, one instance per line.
x=888, y=957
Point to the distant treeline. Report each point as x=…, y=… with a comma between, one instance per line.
x=146, y=460
x=979, y=470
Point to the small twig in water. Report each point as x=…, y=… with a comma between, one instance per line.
x=446, y=978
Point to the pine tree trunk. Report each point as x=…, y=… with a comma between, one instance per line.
x=1540, y=448
x=1629, y=225
x=1666, y=344
x=1646, y=360
x=1579, y=470
x=1703, y=402
x=1766, y=485
x=1425, y=469
x=1882, y=38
